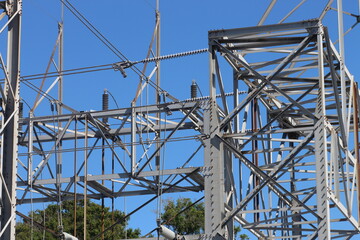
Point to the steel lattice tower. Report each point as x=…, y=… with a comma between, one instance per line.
x=278, y=139
x=302, y=154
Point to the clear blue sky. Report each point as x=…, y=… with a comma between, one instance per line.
x=129, y=24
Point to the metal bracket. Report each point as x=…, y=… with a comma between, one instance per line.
x=121, y=66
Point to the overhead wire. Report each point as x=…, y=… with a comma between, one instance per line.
x=68, y=72
x=85, y=71
x=103, y=39
x=112, y=96
x=26, y=79
x=36, y=89
x=93, y=29
x=108, y=44
x=65, y=71
x=97, y=33
x=27, y=104
x=109, y=66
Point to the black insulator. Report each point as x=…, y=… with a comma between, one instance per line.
x=21, y=114
x=21, y=109
x=193, y=90
x=105, y=103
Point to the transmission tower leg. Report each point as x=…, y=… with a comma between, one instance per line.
x=11, y=116
x=214, y=165
x=229, y=190
x=321, y=153
x=214, y=177
x=321, y=179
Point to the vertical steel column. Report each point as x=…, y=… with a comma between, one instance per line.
x=75, y=176
x=105, y=106
x=157, y=51
x=85, y=174
x=157, y=54
x=30, y=148
x=296, y=218
x=229, y=190
x=321, y=150
x=10, y=148
x=342, y=59
x=61, y=58
x=133, y=138
x=356, y=142
x=213, y=162
x=59, y=107
x=255, y=157
x=237, y=125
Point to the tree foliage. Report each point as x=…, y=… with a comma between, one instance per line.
x=189, y=221
x=237, y=230
x=50, y=219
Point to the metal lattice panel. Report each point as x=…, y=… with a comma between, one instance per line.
x=288, y=134
x=274, y=147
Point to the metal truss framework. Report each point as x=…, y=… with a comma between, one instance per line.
x=281, y=160
x=10, y=119
x=295, y=134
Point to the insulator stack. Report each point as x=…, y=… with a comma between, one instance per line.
x=21, y=113
x=105, y=104
x=171, y=56
x=193, y=89
x=21, y=109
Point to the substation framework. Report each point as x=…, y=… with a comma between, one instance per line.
x=281, y=150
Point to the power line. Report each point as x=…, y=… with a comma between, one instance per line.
x=107, y=43
x=93, y=29
x=109, y=66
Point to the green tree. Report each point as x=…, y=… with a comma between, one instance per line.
x=49, y=218
x=237, y=230
x=190, y=221
x=184, y=217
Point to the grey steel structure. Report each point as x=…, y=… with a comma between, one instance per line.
x=279, y=137
x=10, y=119
x=289, y=132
